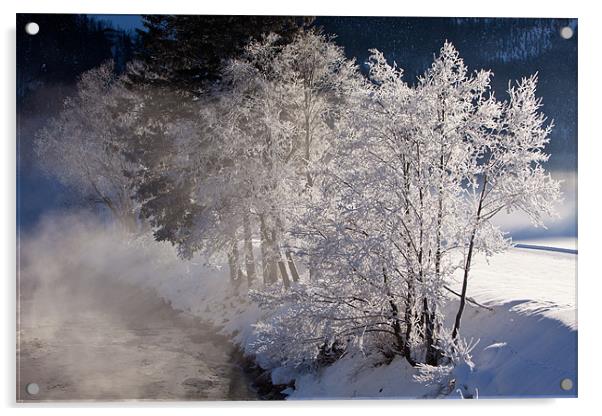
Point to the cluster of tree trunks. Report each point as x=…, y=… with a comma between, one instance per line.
x=273, y=261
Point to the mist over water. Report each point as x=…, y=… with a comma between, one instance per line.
x=106, y=315
x=91, y=325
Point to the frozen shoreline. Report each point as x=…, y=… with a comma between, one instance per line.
x=530, y=335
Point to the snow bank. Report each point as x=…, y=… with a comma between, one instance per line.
x=528, y=342
x=361, y=377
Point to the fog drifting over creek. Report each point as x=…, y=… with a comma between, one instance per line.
x=91, y=326
x=90, y=329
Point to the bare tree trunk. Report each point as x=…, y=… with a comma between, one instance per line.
x=126, y=214
x=249, y=257
x=409, y=319
x=431, y=357
x=402, y=345
x=273, y=267
x=292, y=266
x=468, y=262
x=310, y=181
x=265, y=250
x=280, y=260
x=284, y=273
x=425, y=317
x=432, y=354
x=311, y=271
x=309, y=178
x=128, y=222
x=232, y=266
x=268, y=253
x=289, y=257
x=236, y=256
x=234, y=263
x=464, y=288
x=410, y=294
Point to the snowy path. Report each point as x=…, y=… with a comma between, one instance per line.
x=90, y=340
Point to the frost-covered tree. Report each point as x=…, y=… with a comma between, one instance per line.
x=245, y=146
x=507, y=173
x=258, y=140
x=83, y=145
x=317, y=80
x=316, y=77
x=385, y=189
x=401, y=192
x=456, y=111
x=397, y=176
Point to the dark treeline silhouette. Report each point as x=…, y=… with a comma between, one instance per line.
x=66, y=46
x=187, y=50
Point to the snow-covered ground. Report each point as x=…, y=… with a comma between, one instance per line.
x=538, y=282
x=528, y=344
x=527, y=341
